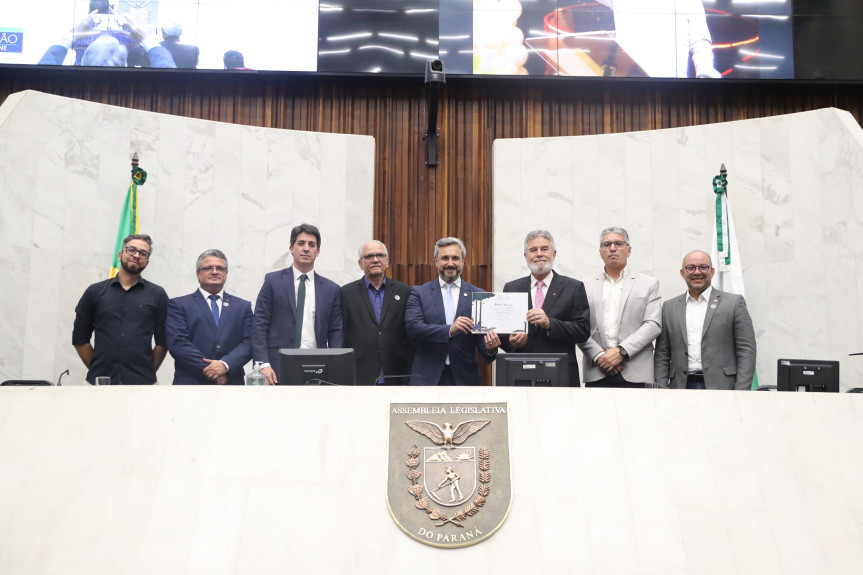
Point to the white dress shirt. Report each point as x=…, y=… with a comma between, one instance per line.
x=696, y=310
x=611, y=292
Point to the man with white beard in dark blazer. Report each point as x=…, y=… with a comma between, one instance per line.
x=558, y=314
x=373, y=320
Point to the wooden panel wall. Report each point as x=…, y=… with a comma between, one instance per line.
x=416, y=205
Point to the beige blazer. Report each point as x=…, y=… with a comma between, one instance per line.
x=640, y=322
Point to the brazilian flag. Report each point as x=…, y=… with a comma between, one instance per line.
x=129, y=216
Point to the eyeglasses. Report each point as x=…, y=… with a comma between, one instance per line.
x=370, y=257
x=132, y=250
x=618, y=244
x=703, y=268
x=208, y=269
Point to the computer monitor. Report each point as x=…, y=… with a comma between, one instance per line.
x=807, y=375
x=532, y=370
x=333, y=366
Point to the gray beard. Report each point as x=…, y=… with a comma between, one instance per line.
x=539, y=267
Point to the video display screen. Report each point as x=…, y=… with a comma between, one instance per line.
x=603, y=38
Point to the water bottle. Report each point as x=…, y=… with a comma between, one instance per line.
x=256, y=377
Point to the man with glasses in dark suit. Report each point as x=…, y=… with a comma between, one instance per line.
x=210, y=331
x=373, y=320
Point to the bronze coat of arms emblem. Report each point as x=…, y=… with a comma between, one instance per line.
x=449, y=481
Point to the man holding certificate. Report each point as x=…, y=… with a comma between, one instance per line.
x=437, y=320
x=559, y=315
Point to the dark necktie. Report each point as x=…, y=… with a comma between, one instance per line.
x=301, y=303
x=214, y=306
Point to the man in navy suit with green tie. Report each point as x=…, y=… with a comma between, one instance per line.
x=209, y=331
x=296, y=307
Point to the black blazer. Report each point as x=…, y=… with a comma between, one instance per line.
x=375, y=345
x=185, y=55
x=569, y=314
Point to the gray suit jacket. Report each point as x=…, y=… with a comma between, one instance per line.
x=639, y=324
x=727, y=344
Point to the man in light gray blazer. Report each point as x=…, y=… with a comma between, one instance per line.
x=625, y=315
x=707, y=339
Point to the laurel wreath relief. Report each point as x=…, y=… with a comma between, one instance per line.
x=424, y=503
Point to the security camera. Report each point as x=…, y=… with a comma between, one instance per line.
x=434, y=73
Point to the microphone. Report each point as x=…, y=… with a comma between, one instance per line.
x=60, y=379
x=316, y=381
x=381, y=378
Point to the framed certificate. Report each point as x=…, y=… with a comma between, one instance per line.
x=499, y=312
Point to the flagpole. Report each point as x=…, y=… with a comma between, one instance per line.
x=128, y=224
x=724, y=251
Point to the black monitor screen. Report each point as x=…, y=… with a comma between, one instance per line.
x=601, y=38
x=532, y=370
x=732, y=39
x=807, y=375
x=317, y=367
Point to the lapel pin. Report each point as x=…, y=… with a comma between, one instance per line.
x=226, y=303
x=713, y=306
x=398, y=297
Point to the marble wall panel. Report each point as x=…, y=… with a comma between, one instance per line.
x=665, y=210
x=799, y=222
x=588, y=202
x=638, y=195
x=604, y=482
x=64, y=172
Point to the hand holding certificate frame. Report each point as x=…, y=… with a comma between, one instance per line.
x=499, y=312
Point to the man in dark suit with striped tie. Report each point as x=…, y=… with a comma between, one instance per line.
x=209, y=331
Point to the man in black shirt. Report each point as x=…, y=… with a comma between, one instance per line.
x=126, y=312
